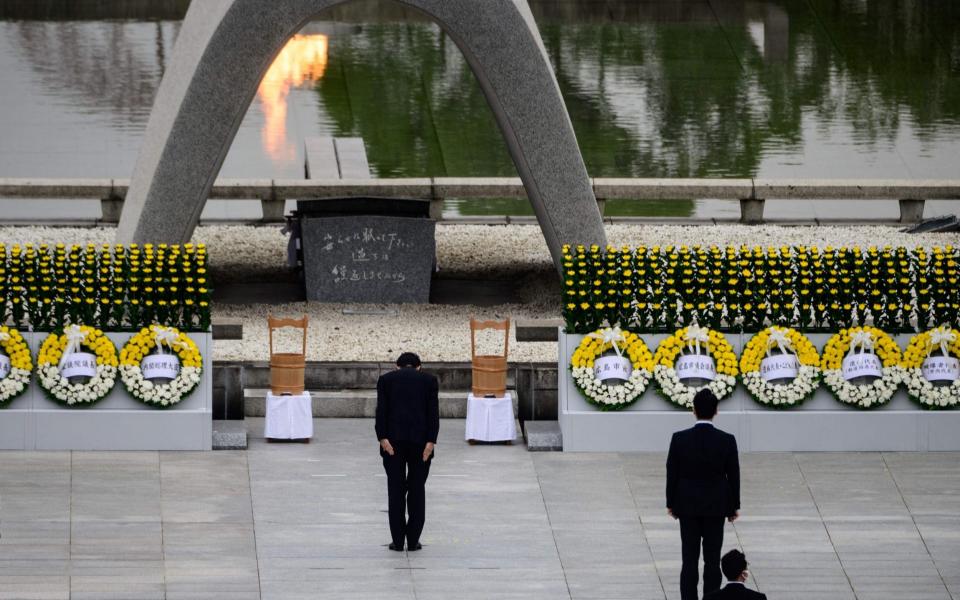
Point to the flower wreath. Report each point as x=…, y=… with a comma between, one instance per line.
x=947, y=340
x=17, y=380
x=53, y=354
x=869, y=340
x=790, y=342
x=691, y=337
x=611, y=397
x=140, y=345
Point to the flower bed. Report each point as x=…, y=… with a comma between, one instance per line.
x=749, y=288
x=111, y=288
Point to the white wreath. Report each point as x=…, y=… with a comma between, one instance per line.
x=165, y=394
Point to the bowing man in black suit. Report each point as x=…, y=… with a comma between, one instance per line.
x=408, y=420
x=734, y=565
x=703, y=488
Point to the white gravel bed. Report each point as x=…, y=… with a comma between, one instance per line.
x=442, y=333
x=435, y=332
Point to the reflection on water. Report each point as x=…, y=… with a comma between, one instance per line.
x=302, y=61
x=660, y=88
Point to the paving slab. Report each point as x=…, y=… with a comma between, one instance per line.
x=289, y=521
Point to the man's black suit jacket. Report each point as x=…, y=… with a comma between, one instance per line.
x=703, y=473
x=735, y=591
x=408, y=406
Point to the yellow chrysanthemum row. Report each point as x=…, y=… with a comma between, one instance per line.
x=719, y=348
x=921, y=345
x=144, y=342
x=100, y=345
x=592, y=348
x=838, y=346
x=16, y=349
x=756, y=349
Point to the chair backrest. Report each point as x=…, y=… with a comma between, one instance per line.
x=476, y=326
x=274, y=323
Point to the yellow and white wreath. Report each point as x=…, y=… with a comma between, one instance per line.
x=759, y=366
x=16, y=363
x=875, y=347
x=59, y=349
x=183, y=351
x=627, y=346
x=690, y=339
x=920, y=367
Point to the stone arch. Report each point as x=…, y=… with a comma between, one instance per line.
x=225, y=47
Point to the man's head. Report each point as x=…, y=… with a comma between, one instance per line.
x=705, y=404
x=734, y=566
x=408, y=359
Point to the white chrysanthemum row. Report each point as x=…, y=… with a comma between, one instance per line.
x=864, y=395
x=928, y=394
x=165, y=394
x=13, y=384
x=77, y=393
x=682, y=394
x=791, y=394
x=612, y=395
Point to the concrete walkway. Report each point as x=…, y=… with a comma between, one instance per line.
x=288, y=521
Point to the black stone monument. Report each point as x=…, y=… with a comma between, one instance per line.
x=367, y=250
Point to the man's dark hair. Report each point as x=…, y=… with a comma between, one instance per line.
x=408, y=359
x=733, y=564
x=705, y=404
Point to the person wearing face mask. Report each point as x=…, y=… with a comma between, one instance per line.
x=734, y=566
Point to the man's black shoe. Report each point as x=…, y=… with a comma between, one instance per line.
x=414, y=547
x=396, y=548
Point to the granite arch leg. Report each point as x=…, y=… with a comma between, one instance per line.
x=225, y=47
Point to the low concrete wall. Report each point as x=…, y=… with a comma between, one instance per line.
x=118, y=422
x=822, y=423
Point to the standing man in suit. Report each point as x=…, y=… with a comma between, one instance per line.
x=703, y=488
x=734, y=565
x=408, y=420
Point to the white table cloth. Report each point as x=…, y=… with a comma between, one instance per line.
x=288, y=417
x=490, y=419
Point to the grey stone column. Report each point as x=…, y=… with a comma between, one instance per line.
x=225, y=47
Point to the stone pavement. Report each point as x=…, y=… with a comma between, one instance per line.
x=290, y=521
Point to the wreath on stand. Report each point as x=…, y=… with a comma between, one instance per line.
x=878, y=359
x=631, y=363
x=696, y=341
x=922, y=368
x=61, y=354
x=780, y=379
x=184, y=359
x=15, y=364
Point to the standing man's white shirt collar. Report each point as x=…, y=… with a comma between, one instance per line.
x=704, y=422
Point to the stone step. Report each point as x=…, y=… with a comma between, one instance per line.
x=229, y=435
x=355, y=403
x=543, y=436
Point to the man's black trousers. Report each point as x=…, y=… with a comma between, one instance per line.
x=693, y=532
x=406, y=476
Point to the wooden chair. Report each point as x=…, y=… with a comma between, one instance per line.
x=489, y=371
x=286, y=369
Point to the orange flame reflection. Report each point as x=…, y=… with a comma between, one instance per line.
x=302, y=60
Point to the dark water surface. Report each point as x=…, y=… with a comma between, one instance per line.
x=662, y=88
